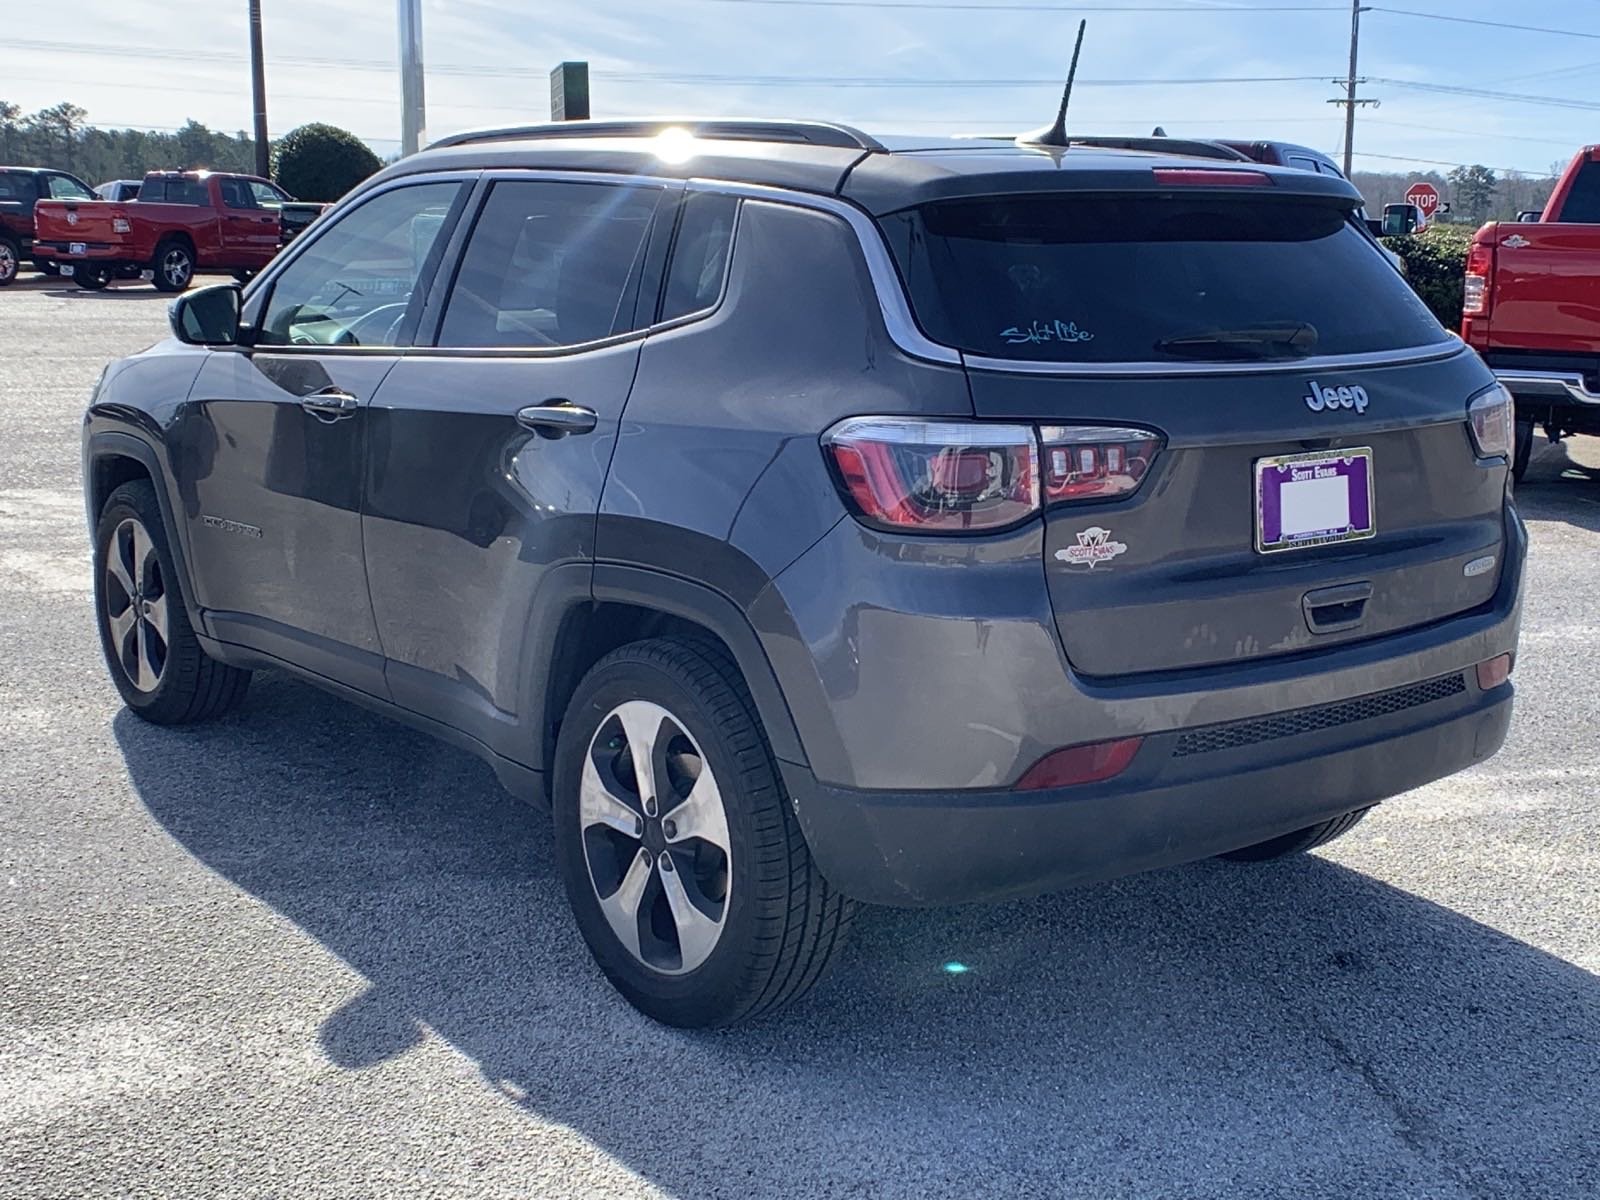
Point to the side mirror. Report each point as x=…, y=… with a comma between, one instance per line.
x=207, y=317
x=1399, y=220
x=1530, y=216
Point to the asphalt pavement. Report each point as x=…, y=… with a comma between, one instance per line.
x=306, y=952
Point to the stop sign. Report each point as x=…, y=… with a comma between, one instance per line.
x=1426, y=197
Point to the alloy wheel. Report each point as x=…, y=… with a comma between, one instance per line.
x=136, y=605
x=8, y=263
x=175, y=266
x=655, y=838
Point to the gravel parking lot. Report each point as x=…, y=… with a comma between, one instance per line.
x=306, y=952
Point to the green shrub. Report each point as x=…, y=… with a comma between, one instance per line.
x=1436, y=266
x=321, y=162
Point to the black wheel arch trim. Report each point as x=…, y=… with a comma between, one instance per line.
x=114, y=444
x=704, y=606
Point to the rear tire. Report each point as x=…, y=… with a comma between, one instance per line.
x=1300, y=841
x=154, y=658
x=1522, y=450
x=91, y=279
x=173, y=265
x=10, y=261
x=765, y=924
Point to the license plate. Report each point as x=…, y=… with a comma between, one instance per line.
x=67, y=269
x=77, y=248
x=1316, y=499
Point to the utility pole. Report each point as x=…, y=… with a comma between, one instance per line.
x=258, y=85
x=1350, y=100
x=413, y=107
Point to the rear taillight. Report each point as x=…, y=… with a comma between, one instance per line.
x=121, y=225
x=1489, y=418
x=935, y=476
x=912, y=476
x=1093, y=462
x=1480, y=262
x=1091, y=763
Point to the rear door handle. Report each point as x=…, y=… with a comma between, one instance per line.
x=330, y=404
x=554, y=418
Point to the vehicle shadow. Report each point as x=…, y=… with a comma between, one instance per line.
x=1213, y=1030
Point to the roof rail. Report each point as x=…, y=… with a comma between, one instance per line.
x=814, y=133
x=1183, y=147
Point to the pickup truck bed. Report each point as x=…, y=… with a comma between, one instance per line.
x=181, y=224
x=1533, y=308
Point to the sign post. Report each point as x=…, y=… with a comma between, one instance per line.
x=1426, y=199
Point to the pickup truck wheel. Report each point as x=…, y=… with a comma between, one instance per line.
x=10, y=262
x=684, y=864
x=174, y=266
x=92, y=279
x=155, y=661
x=1522, y=450
x=1299, y=841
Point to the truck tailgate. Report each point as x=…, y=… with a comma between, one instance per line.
x=1546, y=291
x=87, y=221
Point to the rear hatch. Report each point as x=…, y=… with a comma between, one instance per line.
x=1313, y=479
x=92, y=222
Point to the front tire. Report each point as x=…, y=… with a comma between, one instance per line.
x=173, y=266
x=690, y=879
x=154, y=658
x=10, y=261
x=1300, y=841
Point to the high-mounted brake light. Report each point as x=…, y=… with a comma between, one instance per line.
x=1480, y=262
x=1211, y=177
x=912, y=476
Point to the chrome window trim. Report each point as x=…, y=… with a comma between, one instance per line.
x=1326, y=362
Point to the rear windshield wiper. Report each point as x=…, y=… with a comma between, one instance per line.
x=1262, y=341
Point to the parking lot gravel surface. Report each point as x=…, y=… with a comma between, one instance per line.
x=306, y=952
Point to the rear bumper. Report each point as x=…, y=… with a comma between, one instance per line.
x=1187, y=795
x=97, y=252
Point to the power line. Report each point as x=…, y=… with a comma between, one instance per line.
x=1428, y=16
x=970, y=6
x=1513, y=97
x=1444, y=162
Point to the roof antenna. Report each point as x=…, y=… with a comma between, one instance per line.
x=1056, y=135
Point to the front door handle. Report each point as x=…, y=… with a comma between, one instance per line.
x=330, y=404
x=554, y=418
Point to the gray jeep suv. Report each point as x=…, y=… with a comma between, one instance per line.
x=811, y=518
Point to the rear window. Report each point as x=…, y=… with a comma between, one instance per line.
x=1110, y=279
x=1583, y=201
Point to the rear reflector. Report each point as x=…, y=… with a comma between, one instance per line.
x=1211, y=177
x=1493, y=672
x=1091, y=763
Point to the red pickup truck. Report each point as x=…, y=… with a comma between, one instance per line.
x=181, y=223
x=1533, y=308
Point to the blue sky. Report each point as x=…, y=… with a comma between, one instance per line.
x=333, y=60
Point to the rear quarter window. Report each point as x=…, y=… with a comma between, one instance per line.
x=1152, y=278
x=1583, y=201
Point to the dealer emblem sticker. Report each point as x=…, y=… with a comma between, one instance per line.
x=1094, y=547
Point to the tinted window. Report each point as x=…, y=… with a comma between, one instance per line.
x=235, y=194
x=16, y=186
x=1152, y=279
x=1301, y=163
x=352, y=285
x=1583, y=201
x=62, y=188
x=699, y=255
x=153, y=190
x=550, y=264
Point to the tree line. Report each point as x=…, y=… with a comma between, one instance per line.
x=1475, y=193
x=61, y=137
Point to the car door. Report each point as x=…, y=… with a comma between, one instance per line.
x=487, y=451
x=249, y=232
x=267, y=453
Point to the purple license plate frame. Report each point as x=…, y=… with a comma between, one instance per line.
x=1317, y=499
